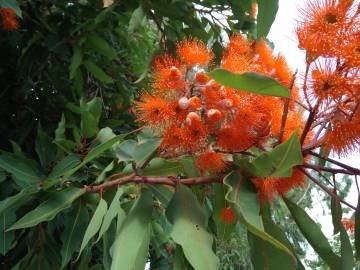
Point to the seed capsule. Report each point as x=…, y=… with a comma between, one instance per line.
x=201, y=77
x=212, y=85
x=195, y=103
x=226, y=103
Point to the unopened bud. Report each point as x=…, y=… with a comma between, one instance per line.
x=212, y=85
x=183, y=103
x=214, y=115
x=175, y=73
x=226, y=103
x=192, y=118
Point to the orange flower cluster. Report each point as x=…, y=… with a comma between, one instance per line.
x=9, y=19
x=329, y=31
x=197, y=116
x=348, y=224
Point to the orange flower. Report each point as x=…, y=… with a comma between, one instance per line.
x=235, y=138
x=211, y=161
x=193, y=52
x=344, y=136
x=348, y=224
x=227, y=215
x=265, y=54
x=326, y=82
x=269, y=187
x=195, y=135
x=7, y=13
x=152, y=110
x=237, y=45
x=173, y=141
x=321, y=25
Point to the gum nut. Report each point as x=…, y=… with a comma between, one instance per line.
x=226, y=103
x=200, y=76
x=183, y=103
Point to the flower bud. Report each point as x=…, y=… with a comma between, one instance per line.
x=191, y=118
x=212, y=85
x=175, y=73
x=183, y=103
x=213, y=115
x=226, y=103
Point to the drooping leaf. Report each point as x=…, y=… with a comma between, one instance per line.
x=129, y=247
x=76, y=61
x=159, y=167
x=25, y=172
x=101, y=46
x=20, y=198
x=47, y=210
x=111, y=213
x=357, y=230
x=45, y=148
x=102, y=175
x=266, y=256
x=346, y=248
x=6, y=238
x=314, y=235
x=250, y=82
x=279, y=161
x=243, y=194
x=136, y=19
x=64, y=165
x=125, y=150
x=75, y=224
x=144, y=149
x=189, y=229
x=94, y=224
x=97, y=72
x=267, y=10
x=90, y=116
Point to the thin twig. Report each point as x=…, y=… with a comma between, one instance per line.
x=324, y=188
x=286, y=109
x=166, y=180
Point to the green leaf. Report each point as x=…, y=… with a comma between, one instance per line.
x=279, y=161
x=20, y=198
x=144, y=149
x=97, y=72
x=267, y=10
x=244, y=196
x=136, y=19
x=44, y=147
x=47, y=210
x=346, y=248
x=75, y=224
x=64, y=165
x=26, y=172
x=357, y=230
x=125, y=150
x=250, y=82
x=6, y=218
x=189, y=229
x=94, y=224
x=102, y=175
x=90, y=116
x=94, y=153
x=131, y=247
x=159, y=167
x=111, y=213
x=76, y=61
x=266, y=256
x=2, y=176
x=13, y=4
x=314, y=235
x=101, y=46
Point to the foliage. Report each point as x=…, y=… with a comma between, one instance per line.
x=82, y=186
